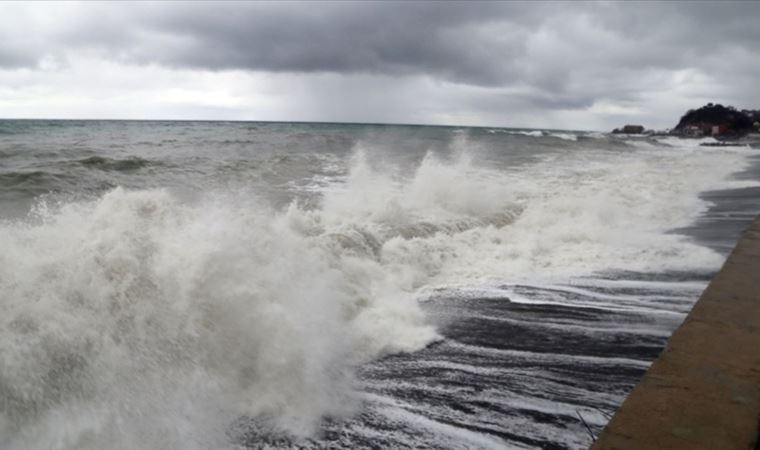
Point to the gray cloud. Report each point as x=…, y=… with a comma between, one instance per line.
x=445, y=40
x=476, y=43
x=11, y=58
x=553, y=56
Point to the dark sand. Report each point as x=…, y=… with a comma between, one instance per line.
x=703, y=392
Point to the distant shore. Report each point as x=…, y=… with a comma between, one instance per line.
x=715, y=120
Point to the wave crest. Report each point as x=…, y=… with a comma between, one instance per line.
x=135, y=310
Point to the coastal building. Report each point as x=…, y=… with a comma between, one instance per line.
x=717, y=130
x=692, y=131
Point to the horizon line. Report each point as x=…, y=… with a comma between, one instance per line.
x=314, y=122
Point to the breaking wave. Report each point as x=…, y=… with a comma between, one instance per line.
x=136, y=320
x=537, y=133
x=564, y=136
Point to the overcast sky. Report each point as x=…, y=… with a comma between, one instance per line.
x=556, y=65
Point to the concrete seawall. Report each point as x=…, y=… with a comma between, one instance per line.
x=703, y=391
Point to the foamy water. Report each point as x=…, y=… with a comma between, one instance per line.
x=151, y=314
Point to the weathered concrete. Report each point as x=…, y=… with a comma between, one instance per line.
x=703, y=392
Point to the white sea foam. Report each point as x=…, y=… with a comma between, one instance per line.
x=584, y=212
x=564, y=136
x=675, y=141
x=138, y=321
x=128, y=314
x=538, y=133
x=534, y=133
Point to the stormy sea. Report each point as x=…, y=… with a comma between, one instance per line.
x=233, y=285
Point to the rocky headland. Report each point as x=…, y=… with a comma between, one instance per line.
x=718, y=121
x=721, y=122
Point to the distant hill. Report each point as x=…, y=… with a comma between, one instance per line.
x=717, y=120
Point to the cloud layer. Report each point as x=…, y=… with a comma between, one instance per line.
x=564, y=64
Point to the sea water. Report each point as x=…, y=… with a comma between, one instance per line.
x=245, y=285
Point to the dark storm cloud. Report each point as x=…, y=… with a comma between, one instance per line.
x=483, y=43
x=474, y=43
x=557, y=56
x=447, y=40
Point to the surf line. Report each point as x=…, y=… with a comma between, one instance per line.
x=703, y=391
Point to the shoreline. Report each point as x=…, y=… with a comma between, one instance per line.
x=703, y=391
x=731, y=211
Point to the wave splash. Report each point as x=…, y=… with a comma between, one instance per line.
x=134, y=313
x=138, y=321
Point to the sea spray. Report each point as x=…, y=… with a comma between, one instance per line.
x=139, y=319
x=138, y=307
